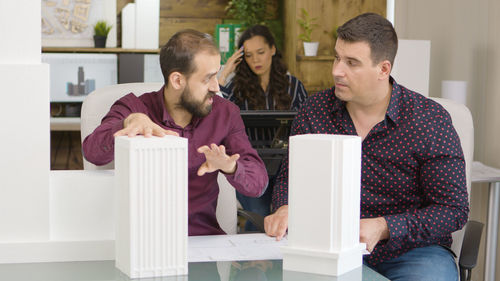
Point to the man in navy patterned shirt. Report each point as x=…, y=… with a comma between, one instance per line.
x=413, y=188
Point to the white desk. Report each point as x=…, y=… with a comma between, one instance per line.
x=483, y=173
x=65, y=123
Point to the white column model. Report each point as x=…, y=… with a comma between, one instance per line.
x=324, y=205
x=152, y=189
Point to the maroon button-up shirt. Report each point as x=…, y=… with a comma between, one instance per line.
x=222, y=126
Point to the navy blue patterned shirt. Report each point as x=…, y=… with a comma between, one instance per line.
x=413, y=168
x=295, y=90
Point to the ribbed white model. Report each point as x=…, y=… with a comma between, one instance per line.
x=152, y=187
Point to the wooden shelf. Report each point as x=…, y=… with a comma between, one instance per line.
x=315, y=58
x=97, y=50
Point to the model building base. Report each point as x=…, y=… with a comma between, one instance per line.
x=319, y=262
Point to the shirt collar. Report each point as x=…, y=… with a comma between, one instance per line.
x=393, y=109
x=339, y=106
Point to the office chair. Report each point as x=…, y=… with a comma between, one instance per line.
x=468, y=239
x=97, y=104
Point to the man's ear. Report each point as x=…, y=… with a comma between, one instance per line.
x=385, y=69
x=177, y=80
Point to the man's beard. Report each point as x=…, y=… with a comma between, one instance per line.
x=196, y=108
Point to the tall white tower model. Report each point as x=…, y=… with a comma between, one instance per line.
x=324, y=204
x=152, y=189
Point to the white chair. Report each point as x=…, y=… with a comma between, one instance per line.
x=97, y=104
x=465, y=241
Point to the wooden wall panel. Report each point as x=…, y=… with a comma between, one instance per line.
x=120, y=4
x=330, y=15
x=204, y=8
x=315, y=75
x=290, y=35
x=169, y=26
x=193, y=9
x=202, y=15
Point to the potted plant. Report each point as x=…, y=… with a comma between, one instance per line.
x=252, y=12
x=101, y=30
x=308, y=24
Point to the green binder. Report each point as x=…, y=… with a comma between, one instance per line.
x=227, y=36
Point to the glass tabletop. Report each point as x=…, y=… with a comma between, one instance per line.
x=267, y=270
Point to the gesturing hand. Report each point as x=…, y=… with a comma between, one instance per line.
x=372, y=230
x=277, y=223
x=140, y=124
x=217, y=159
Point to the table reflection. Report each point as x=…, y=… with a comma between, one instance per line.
x=267, y=270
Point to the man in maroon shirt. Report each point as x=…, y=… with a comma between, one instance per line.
x=413, y=189
x=187, y=106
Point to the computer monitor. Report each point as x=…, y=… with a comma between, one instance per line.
x=268, y=132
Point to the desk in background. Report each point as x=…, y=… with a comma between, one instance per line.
x=483, y=173
x=65, y=123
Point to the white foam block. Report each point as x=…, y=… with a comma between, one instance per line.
x=151, y=188
x=128, y=26
x=147, y=24
x=81, y=205
x=324, y=204
x=412, y=65
x=25, y=154
x=454, y=90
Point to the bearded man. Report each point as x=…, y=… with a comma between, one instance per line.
x=187, y=106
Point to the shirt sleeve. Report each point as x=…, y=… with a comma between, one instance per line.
x=443, y=187
x=99, y=147
x=250, y=177
x=298, y=93
x=280, y=191
x=227, y=91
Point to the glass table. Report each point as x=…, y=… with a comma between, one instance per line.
x=266, y=270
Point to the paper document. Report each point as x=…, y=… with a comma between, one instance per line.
x=239, y=247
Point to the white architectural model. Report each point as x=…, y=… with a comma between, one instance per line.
x=141, y=24
x=152, y=187
x=324, y=205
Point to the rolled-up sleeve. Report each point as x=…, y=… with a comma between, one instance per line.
x=99, y=147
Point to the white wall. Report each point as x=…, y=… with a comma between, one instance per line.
x=465, y=45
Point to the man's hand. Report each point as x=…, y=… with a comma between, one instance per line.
x=277, y=223
x=372, y=230
x=140, y=124
x=217, y=159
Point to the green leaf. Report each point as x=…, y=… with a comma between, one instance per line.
x=101, y=28
x=307, y=24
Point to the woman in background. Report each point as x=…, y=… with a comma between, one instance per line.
x=260, y=82
x=260, y=78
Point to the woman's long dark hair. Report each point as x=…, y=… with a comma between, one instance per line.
x=247, y=83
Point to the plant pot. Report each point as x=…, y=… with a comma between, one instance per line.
x=100, y=41
x=311, y=49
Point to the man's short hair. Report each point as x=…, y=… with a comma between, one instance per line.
x=375, y=30
x=179, y=52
